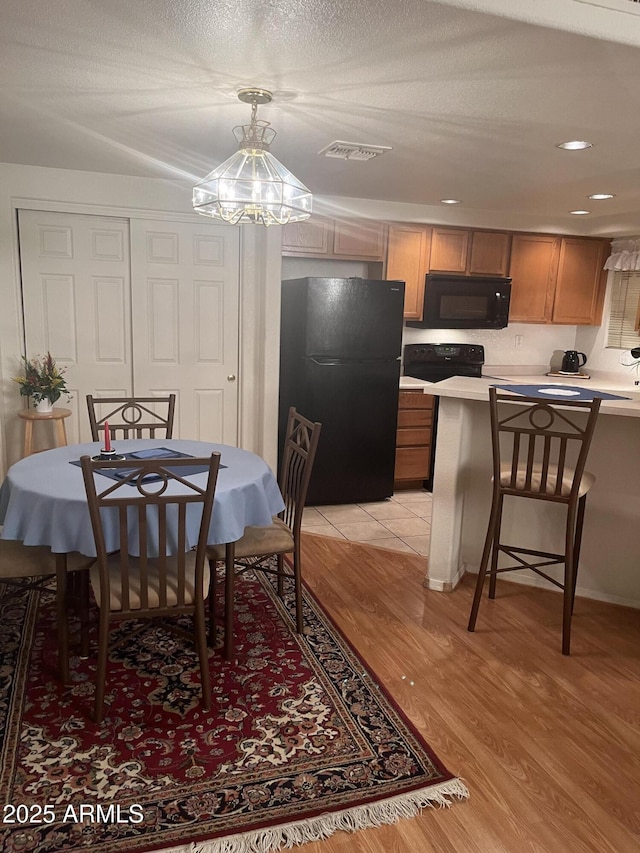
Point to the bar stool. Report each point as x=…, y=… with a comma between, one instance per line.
x=30, y=417
x=534, y=441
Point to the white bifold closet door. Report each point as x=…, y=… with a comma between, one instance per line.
x=136, y=307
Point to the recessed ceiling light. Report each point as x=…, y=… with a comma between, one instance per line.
x=450, y=201
x=579, y=212
x=598, y=196
x=574, y=145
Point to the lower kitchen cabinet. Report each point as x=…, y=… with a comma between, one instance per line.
x=413, y=438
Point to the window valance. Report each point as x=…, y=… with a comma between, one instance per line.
x=625, y=255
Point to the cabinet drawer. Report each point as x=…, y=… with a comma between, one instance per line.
x=416, y=435
x=415, y=418
x=415, y=400
x=412, y=463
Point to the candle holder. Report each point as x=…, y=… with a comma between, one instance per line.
x=107, y=456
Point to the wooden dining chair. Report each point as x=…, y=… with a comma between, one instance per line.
x=151, y=500
x=539, y=450
x=259, y=545
x=132, y=417
x=35, y=567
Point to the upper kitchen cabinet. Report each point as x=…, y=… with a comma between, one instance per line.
x=466, y=252
x=557, y=279
x=581, y=281
x=533, y=271
x=353, y=239
x=407, y=260
x=329, y=238
x=311, y=238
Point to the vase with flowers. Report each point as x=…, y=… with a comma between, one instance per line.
x=43, y=382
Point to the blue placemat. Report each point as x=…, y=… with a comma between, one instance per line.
x=151, y=453
x=560, y=392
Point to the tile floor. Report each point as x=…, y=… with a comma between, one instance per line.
x=401, y=523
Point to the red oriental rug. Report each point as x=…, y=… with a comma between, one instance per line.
x=301, y=741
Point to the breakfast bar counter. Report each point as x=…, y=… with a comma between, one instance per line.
x=609, y=567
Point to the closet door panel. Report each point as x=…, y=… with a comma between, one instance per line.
x=76, y=302
x=185, y=322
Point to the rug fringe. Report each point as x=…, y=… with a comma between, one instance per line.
x=315, y=829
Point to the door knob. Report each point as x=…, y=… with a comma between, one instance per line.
x=231, y=377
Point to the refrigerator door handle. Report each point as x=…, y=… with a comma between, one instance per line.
x=327, y=360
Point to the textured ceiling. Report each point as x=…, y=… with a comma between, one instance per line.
x=471, y=103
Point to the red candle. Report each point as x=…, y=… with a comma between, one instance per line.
x=107, y=437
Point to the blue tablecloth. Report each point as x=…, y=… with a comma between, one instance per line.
x=43, y=499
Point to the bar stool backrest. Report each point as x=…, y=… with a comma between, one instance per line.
x=540, y=446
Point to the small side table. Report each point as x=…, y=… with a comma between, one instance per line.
x=30, y=416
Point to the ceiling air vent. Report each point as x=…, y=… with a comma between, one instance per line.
x=353, y=150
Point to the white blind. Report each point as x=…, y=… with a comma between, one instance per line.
x=625, y=304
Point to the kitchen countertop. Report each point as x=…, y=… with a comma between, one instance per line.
x=410, y=383
x=462, y=490
x=474, y=388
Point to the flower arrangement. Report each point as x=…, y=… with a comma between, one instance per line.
x=42, y=379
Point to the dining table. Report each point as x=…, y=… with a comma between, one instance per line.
x=43, y=499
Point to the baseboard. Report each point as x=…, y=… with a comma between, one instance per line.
x=581, y=592
x=444, y=586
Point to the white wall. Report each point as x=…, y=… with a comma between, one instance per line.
x=118, y=195
x=592, y=340
x=609, y=554
x=520, y=344
x=261, y=273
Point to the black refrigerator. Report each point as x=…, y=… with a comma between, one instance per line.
x=340, y=348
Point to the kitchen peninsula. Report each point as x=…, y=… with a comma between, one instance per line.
x=609, y=561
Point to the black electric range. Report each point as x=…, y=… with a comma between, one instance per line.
x=435, y=362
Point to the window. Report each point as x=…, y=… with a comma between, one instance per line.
x=624, y=322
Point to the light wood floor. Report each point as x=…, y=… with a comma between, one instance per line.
x=549, y=746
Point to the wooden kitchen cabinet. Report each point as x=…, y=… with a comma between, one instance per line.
x=533, y=271
x=407, y=260
x=309, y=238
x=329, y=238
x=557, y=279
x=465, y=252
x=413, y=438
x=489, y=253
x=581, y=281
x=449, y=250
x=359, y=240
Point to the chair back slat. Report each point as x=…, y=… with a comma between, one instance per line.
x=124, y=561
x=131, y=417
x=301, y=443
x=540, y=442
x=156, y=495
x=531, y=455
x=546, y=458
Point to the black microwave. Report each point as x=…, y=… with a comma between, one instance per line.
x=464, y=302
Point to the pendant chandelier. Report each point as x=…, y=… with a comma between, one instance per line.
x=252, y=186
